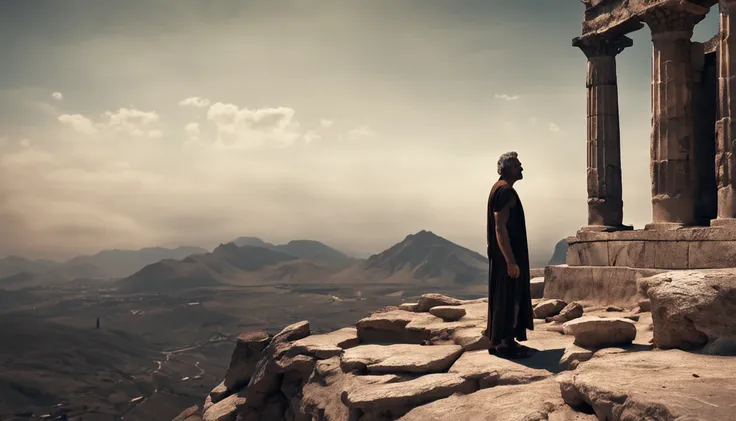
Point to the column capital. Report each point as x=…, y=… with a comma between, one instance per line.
x=602, y=46
x=676, y=18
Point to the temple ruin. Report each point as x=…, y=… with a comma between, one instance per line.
x=692, y=145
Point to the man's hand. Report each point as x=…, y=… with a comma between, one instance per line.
x=513, y=269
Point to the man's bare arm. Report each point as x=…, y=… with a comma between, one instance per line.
x=502, y=234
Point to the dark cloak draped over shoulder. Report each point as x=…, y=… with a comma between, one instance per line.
x=504, y=292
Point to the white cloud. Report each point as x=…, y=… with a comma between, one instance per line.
x=79, y=123
x=553, y=127
x=133, y=122
x=195, y=101
x=311, y=136
x=192, y=129
x=325, y=124
x=241, y=128
x=360, y=133
x=507, y=97
x=57, y=96
x=25, y=143
x=155, y=134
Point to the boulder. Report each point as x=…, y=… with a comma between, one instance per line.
x=690, y=308
x=243, y=360
x=645, y=305
x=220, y=392
x=448, y=313
x=530, y=402
x=428, y=301
x=597, y=332
x=662, y=385
x=225, y=410
x=571, y=311
x=548, y=308
x=537, y=287
x=401, y=358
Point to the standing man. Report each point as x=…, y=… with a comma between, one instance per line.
x=509, y=296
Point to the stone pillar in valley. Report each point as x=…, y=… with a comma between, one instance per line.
x=672, y=170
x=726, y=124
x=605, y=204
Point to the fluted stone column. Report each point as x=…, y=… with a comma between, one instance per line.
x=672, y=170
x=605, y=204
x=726, y=124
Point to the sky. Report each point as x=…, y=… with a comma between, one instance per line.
x=137, y=123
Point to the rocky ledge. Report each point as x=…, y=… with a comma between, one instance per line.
x=652, y=361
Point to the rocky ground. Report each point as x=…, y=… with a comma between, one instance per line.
x=667, y=356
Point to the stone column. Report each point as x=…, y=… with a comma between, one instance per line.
x=605, y=204
x=672, y=170
x=726, y=125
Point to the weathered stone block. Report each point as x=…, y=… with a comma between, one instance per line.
x=670, y=254
x=712, y=254
x=630, y=254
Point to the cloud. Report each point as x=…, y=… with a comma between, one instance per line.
x=311, y=136
x=127, y=121
x=243, y=128
x=326, y=124
x=506, y=97
x=361, y=133
x=79, y=123
x=195, y=101
x=57, y=96
x=553, y=127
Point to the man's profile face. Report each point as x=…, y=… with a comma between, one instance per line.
x=516, y=170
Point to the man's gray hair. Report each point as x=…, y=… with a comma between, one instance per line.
x=504, y=162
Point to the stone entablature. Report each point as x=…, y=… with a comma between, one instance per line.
x=617, y=17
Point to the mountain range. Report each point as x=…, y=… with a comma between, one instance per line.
x=421, y=257
x=18, y=272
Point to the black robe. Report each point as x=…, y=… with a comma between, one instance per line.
x=505, y=293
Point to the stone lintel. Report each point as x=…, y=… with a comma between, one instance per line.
x=617, y=17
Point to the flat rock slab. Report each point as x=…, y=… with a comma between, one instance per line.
x=391, y=327
x=406, y=394
x=662, y=385
x=428, y=301
x=413, y=307
x=532, y=402
x=327, y=345
x=448, y=313
x=490, y=370
x=476, y=315
x=596, y=332
x=401, y=358
x=471, y=339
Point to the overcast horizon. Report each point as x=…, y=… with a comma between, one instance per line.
x=164, y=123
